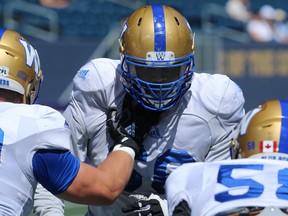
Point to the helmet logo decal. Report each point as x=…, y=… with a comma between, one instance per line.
x=124, y=28
x=268, y=146
x=4, y=71
x=31, y=56
x=160, y=56
x=159, y=28
x=246, y=120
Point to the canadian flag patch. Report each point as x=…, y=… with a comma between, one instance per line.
x=268, y=146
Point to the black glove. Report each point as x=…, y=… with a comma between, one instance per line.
x=136, y=119
x=153, y=205
x=118, y=134
x=182, y=209
x=133, y=124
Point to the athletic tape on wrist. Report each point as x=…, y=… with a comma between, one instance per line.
x=129, y=150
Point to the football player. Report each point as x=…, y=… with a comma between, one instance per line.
x=35, y=141
x=193, y=113
x=255, y=184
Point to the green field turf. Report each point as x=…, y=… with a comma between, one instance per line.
x=72, y=209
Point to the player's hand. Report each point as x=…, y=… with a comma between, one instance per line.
x=136, y=119
x=151, y=206
x=118, y=134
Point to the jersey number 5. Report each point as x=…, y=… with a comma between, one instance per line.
x=254, y=189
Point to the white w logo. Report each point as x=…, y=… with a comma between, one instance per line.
x=246, y=120
x=31, y=56
x=160, y=55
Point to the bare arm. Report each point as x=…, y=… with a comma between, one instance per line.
x=102, y=185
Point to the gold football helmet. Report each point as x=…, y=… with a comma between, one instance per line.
x=19, y=66
x=263, y=132
x=157, y=53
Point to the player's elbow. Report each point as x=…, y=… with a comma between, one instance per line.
x=114, y=191
x=112, y=198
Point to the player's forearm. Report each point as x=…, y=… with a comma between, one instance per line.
x=118, y=177
x=102, y=185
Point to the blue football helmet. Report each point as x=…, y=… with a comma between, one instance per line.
x=157, y=56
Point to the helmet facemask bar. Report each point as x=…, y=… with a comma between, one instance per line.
x=33, y=89
x=157, y=85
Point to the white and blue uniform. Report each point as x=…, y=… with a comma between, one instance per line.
x=197, y=129
x=34, y=147
x=216, y=187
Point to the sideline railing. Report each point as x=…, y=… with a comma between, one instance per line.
x=31, y=19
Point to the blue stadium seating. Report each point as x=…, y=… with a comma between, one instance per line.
x=94, y=18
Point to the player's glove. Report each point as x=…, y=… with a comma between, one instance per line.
x=136, y=119
x=118, y=133
x=133, y=124
x=146, y=206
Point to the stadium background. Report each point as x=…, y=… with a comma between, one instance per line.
x=68, y=37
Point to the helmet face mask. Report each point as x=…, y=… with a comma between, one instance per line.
x=19, y=66
x=263, y=132
x=157, y=70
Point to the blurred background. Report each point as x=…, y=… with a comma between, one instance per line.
x=244, y=39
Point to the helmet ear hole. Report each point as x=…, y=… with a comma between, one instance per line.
x=139, y=22
x=177, y=21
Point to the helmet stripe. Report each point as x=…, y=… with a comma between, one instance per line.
x=284, y=126
x=2, y=30
x=159, y=28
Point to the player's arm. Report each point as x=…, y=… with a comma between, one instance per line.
x=102, y=185
x=65, y=176
x=74, y=117
x=230, y=111
x=68, y=178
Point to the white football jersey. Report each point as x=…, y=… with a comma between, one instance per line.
x=197, y=129
x=212, y=188
x=23, y=130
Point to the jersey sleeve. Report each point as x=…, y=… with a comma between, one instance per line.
x=55, y=169
x=231, y=109
x=45, y=203
x=93, y=93
x=182, y=184
x=229, y=113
